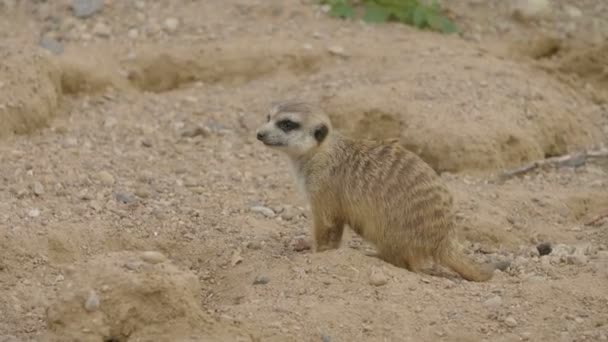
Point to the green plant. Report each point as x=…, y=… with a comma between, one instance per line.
x=411, y=12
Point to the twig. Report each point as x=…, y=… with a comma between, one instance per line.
x=597, y=219
x=569, y=160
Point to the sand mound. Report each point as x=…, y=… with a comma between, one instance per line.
x=131, y=296
x=162, y=68
x=451, y=119
x=30, y=91
x=589, y=64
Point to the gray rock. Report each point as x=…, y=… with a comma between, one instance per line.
x=377, y=277
x=86, y=8
x=153, y=257
x=52, y=45
x=493, y=302
x=261, y=280
x=263, y=210
x=123, y=197
x=510, y=322
x=38, y=189
x=92, y=302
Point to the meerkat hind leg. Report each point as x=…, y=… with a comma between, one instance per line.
x=327, y=233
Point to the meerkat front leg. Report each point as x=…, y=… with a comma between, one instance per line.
x=327, y=231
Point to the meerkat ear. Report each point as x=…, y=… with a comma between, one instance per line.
x=321, y=132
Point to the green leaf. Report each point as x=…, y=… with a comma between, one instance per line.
x=419, y=17
x=341, y=10
x=375, y=13
x=448, y=27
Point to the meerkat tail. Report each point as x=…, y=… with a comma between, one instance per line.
x=465, y=266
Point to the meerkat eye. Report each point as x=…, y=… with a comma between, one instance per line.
x=287, y=125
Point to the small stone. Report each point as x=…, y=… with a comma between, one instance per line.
x=544, y=248
x=502, y=265
x=51, y=44
x=261, y=280
x=102, y=30
x=193, y=131
x=153, y=257
x=300, y=244
x=562, y=250
x=33, y=212
x=325, y=338
x=171, y=24
x=86, y=8
x=105, y=178
x=124, y=197
x=531, y=9
x=572, y=11
x=133, y=265
x=263, y=210
x=133, y=33
x=142, y=192
x=236, y=258
x=510, y=322
x=337, y=50
x=289, y=213
x=38, y=189
x=493, y=302
x=377, y=277
x=577, y=259
x=255, y=245
x=92, y=302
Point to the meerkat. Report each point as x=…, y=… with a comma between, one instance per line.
x=385, y=193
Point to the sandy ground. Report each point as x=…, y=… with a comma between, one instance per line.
x=136, y=204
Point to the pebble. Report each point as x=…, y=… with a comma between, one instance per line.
x=33, y=212
x=51, y=44
x=510, y=322
x=133, y=33
x=92, y=302
x=133, y=265
x=377, y=277
x=337, y=50
x=300, y=244
x=577, y=259
x=502, y=265
x=38, y=189
x=124, y=197
x=325, y=338
x=142, y=192
x=562, y=250
x=493, y=302
x=531, y=9
x=573, y=12
x=261, y=280
x=153, y=257
x=289, y=213
x=255, y=245
x=105, y=178
x=263, y=210
x=544, y=248
x=194, y=131
x=171, y=24
x=102, y=30
x=86, y=8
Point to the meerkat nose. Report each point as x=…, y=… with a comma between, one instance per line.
x=261, y=135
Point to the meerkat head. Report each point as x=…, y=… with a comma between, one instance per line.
x=294, y=128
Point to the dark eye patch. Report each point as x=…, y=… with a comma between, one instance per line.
x=287, y=125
